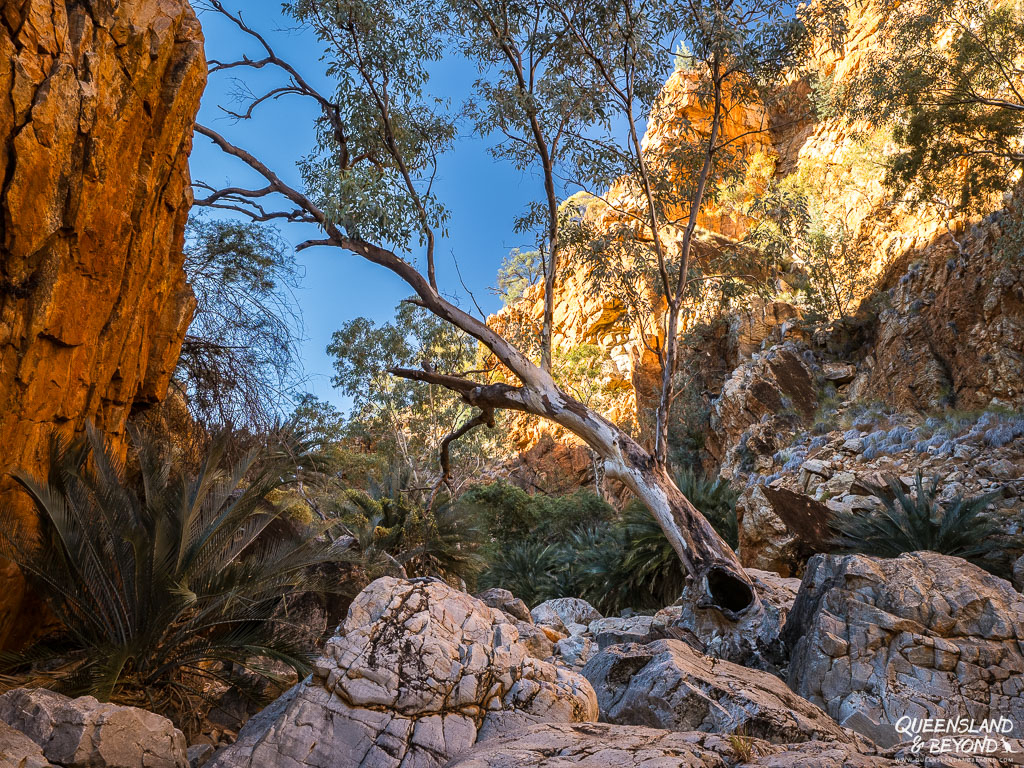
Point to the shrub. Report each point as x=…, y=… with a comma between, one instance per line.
x=527, y=569
x=909, y=523
x=164, y=589
x=396, y=534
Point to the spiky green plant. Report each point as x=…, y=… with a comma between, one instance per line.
x=913, y=522
x=528, y=569
x=396, y=534
x=166, y=587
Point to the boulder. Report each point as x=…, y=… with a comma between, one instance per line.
x=600, y=745
x=1018, y=573
x=535, y=640
x=418, y=672
x=667, y=684
x=616, y=630
x=572, y=613
x=19, y=751
x=505, y=601
x=779, y=529
x=761, y=405
x=575, y=650
x=920, y=635
x=84, y=733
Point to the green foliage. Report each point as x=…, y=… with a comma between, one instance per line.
x=519, y=270
x=578, y=546
x=163, y=587
x=948, y=76
x=384, y=134
x=908, y=523
x=404, y=421
x=395, y=533
x=527, y=569
x=796, y=229
x=239, y=358
x=826, y=95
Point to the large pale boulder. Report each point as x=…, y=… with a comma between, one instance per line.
x=921, y=635
x=84, y=733
x=599, y=745
x=418, y=671
x=667, y=684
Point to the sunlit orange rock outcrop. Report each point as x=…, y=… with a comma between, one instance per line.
x=97, y=102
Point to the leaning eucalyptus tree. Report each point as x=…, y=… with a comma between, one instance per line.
x=368, y=186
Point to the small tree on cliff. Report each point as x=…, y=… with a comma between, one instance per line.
x=948, y=76
x=368, y=187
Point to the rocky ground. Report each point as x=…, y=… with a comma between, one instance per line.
x=422, y=675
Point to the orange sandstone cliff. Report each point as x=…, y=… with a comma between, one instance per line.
x=97, y=102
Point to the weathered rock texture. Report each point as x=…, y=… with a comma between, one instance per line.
x=19, y=751
x=418, y=672
x=97, y=101
x=597, y=745
x=667, y=684
x=83, y=733
x=921, y=635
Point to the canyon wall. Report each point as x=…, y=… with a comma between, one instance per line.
x=97, y=102
x=922, y=355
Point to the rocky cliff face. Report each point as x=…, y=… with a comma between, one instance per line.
x=97, y=101
x=942, y=328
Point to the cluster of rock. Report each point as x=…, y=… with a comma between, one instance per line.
x=418, y=672
x=423, y=675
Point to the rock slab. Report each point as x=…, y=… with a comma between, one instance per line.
x=666, y=684
x=418, y=672
x=598, y=745
x=84, y=733
x=922, y=635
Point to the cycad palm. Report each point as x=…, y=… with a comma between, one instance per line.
x=908, y=523
x=396, y=533
x=163, y=590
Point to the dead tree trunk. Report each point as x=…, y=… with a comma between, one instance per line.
x=703, y=553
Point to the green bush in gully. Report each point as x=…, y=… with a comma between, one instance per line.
x=914, y=522
x=542, y=547
x=167, y=586
x=395, y=534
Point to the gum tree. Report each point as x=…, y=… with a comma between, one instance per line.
x=368, y=185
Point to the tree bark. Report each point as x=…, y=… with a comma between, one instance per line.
x=703, y=553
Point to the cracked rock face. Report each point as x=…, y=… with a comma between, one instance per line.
x=83, y=733
x=418, y=672
x=921, y=635
x=667, y=684
x=620, y=746
x=97, y=102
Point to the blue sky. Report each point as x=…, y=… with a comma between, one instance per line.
x=482, y=195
